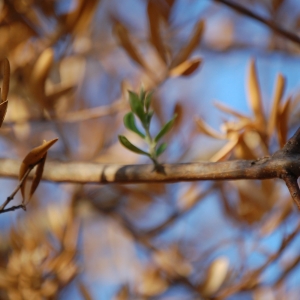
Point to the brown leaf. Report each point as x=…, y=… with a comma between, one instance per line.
x=123, y=293
x=227, y=109
x=151, y=283
x=207, y=130
x=78, y=18
x=37, y=176
x=38, y=153
x=84, y=291
x=215, y=276
x=6, y=78
x=173, y=262
x=225, y=151
x=49, y=288
x=154, y=17
x=3, y=109
x=279, y=90
x=39, y=75
x=179, y=111
x=124, y=38
x=242, y=151
x=54, y=96
x=33, y=157
x=186, y=51
x=282, y=122
x=254, y=95
x=186, y=68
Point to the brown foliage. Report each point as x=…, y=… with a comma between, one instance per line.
x=65, y=73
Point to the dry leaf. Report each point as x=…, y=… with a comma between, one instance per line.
x=6, y=78
x=39, y=75
x=279, y=90
x=151, y=283
x=37, y=176
x=225, y=151
x=57, y=93
x=123, y=293
x=186, y=68
x=154, y=18
x=226, y=109
x=186, y=51
x=33, y=157
x=207, y=130
x=172, y=262
x=242, y=151
x=254, y=95
x=3, y=109
x=131, y=50
x=282, y=122
x=179, y=111
x=215, y=276
x=85, y=293
x=38, y=153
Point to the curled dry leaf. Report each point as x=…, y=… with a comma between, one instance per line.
x=279, y=90
x=35, y=156
x=39, y=75
x=254, y=95
x=186, y=68
x=186, y=51
x=154, y=17
x=215, y=276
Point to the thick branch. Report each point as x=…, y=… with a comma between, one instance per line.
x=81, y=172
x=284, y=164
x=271, y=24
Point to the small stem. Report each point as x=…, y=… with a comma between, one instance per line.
x=11, y=197
x=291, y=183
x=13, y=208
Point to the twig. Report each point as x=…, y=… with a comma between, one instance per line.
x=177, y=215
x=76, y=116
x=245, y=282
x=11, y=197
x=271, y=24
x=13, y=208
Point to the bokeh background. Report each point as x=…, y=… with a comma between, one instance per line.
x=72, y=63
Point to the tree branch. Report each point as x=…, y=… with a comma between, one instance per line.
x=283, y=164
x=86, y=172
x=269, y=23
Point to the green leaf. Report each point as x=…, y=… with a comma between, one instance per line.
x=148, y=100
x=165, y=129
x=136, y=106
x=142, y=94
x=161, y=149
x=149, y=117
x=129, y=123
x=124, y=141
